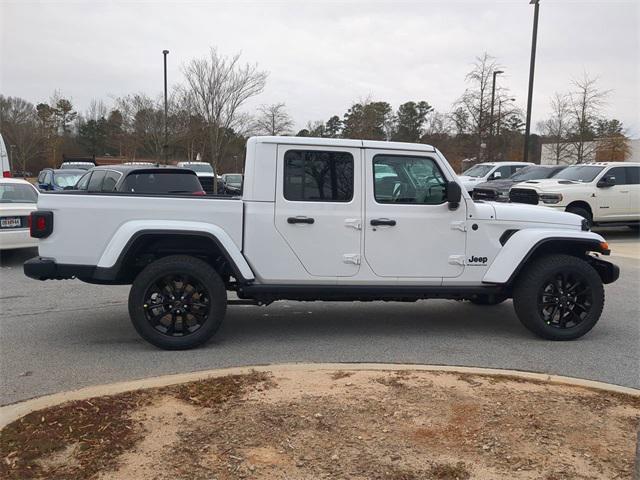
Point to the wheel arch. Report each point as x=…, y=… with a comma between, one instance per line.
x=129, y=252
x=580, y=204
x=524, y=247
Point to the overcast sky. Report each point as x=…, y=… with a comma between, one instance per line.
x=323, y=55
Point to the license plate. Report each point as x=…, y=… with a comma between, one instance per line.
x=10, y=222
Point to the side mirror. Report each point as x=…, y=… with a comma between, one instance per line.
x=606, y=181
x=454, y=194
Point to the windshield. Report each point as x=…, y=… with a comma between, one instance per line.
x=234, y=178
x=579, y=173
x=17, y=193
x=478, y=170
x=200, y=168
x=532, y=173
x=62, y=179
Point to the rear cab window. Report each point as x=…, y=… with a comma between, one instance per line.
x=161, y=182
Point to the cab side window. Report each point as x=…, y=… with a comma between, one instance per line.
x=95, y=183
x=633, y=175
x=407, y=180
x=619, y=173
x=110, y=181
x=505, y=172
x=318, y=176
x=83, y=182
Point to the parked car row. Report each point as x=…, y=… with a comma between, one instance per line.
x=603, y=193
x=158, y=179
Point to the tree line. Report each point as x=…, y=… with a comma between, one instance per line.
x=207, y=120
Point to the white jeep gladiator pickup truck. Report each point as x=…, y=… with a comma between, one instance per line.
x=324, y=219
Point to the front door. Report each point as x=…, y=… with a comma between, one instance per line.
x=319, y=207
x=614, y=202
x=410, y=232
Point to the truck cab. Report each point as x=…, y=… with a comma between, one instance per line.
x=488, y=172
x=324, y=219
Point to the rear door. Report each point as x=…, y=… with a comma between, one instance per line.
x=633, y=182
x=409, y=230
x=319, y=207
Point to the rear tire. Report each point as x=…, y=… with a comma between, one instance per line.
x=559, y=297
x=177, y=302
x=584, y=213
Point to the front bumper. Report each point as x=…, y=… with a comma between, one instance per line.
x=608, y=271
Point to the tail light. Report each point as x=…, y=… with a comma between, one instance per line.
x=6, y=174
x=199, y=192
x=41, y=223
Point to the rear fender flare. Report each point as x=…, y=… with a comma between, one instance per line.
x=128, y=232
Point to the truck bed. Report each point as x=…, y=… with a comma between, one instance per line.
x=85, y=223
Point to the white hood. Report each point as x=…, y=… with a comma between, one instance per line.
x=520, y=212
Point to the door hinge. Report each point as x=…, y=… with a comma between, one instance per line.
x=353, y=223
x=456, y=260
x=462, y=226
x=352, y=258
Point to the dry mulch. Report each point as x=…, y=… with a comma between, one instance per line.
x=293, y=424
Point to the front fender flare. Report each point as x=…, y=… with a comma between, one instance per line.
x=524, y=243
x=129, y=231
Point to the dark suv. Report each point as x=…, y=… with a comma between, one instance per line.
x=144, y=180
x=498, y=190
x=54, y=179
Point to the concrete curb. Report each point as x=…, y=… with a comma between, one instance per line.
x=12, y=412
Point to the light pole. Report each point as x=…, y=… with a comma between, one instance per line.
x=534, y=40
x=493, y=98
x=166, y=134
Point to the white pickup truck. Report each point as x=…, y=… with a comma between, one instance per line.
x=324, y=219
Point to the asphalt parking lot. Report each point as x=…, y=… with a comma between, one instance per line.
x=61, y=335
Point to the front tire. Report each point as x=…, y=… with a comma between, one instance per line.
x=584, y=213
x=559, y=297
x=177, y=302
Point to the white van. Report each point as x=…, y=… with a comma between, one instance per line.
x=4, y=160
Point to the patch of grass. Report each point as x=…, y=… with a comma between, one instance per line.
x=99, y=428
x=212, y=392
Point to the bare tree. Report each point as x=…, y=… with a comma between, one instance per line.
x=273, y=120
x=557, y=129
x=218, y=86
x=586, y=106
x=475, y=103
x=97, y=110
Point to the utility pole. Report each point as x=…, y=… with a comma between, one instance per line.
x=166, y=134
x=534, y=40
